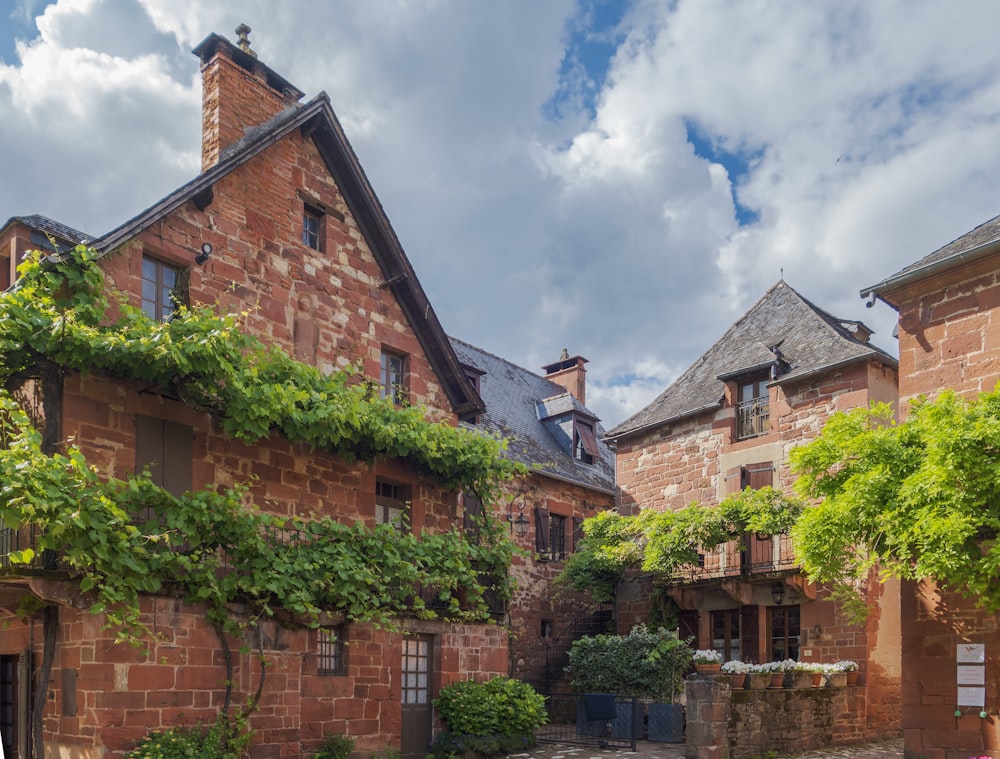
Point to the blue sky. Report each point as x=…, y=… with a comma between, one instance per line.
x=622, y=179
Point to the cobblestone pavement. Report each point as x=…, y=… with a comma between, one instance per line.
x=646, y=750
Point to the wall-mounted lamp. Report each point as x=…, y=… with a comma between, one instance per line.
x=206, y=251
x=778, y=593
x=519, y=522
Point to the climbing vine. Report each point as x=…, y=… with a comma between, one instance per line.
x=661, y=542
x=56, y=319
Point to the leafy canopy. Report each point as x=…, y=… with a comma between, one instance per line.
x=661, y=542
x=918, y=500
x=56, y=319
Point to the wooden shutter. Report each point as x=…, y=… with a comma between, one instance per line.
x=734, y=482
x=760, y=475
x=687, y=626
x=588, y=440
x=541, y=530
x=749, y=634
x=472, y=507
x=166, y=449
x=577, y=533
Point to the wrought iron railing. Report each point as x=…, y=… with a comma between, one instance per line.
x=753, y=417
x=755, y=554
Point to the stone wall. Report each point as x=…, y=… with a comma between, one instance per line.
x=723, y=723
x=120, y=693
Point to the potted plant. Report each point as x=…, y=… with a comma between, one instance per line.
x=851, y=668
x=804, y=675
x=758, y=676
x=778, y=669
x=707, y=661
x=836, y=676
x=737, y=672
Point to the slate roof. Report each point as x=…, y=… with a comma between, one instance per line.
x=533, y=414
x=50, y=227
x=809, y=339
x=981, y=241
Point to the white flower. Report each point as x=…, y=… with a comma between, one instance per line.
x=707, y=656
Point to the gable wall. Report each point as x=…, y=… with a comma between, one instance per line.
x=949, y=337
x=325, y=306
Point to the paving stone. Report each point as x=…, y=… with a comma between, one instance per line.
x=645, y=750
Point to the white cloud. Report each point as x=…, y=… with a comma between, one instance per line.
x=873, y=144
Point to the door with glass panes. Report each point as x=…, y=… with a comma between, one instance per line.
x=417, y=712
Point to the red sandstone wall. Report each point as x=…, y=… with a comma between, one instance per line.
x=123, y=693
x=949, y=337
x=534, y=658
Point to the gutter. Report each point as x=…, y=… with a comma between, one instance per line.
x=661, y=422
x=966, y=256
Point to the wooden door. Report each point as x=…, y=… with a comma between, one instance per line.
x=417, y=711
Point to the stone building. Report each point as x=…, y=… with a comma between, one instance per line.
x=281, y=223
x=949, y=337
x=728, y=423
x=571, y=478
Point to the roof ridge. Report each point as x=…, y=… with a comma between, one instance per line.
x=508, y=362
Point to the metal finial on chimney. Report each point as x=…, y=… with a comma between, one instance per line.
x=243, y=32
x=565, y=355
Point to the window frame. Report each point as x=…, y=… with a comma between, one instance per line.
x=331, y=651
x=312, y=228
x=392, y=496
x=791, y=644
x=753, y=406
x=397, y=391
x=585, y=448
x=156, y=308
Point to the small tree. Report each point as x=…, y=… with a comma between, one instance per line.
x=644, y=663
x=918, y=500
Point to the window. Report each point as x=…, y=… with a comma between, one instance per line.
x=392, y=378
x=550, y=535
x=392, y=503
x=784, y=633
x=472, y=510
x=546, y=630
x=584, y=442
x=310, y=228
x=752, y=407
x=330, y=658
x=726, y=633
x=472, y=377
x=160, y=289
x=166, y=450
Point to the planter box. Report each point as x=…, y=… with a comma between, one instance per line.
x=626, y=722
x=758, y=680
x=666, y=723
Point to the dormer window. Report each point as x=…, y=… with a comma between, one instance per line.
x=752, y=407
x=584, y=442
x=472, y=376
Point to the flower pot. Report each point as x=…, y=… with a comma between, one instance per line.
x=777, y=679
x=836, y=680
x=758, y=680
x=817, y=679
x=737, y=681
x=852, y=678
x=708, y=669
x=800, y=679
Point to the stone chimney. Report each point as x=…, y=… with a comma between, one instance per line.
x=238, y=92
x=569, y=373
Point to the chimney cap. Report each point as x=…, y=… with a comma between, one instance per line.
x=565, y=362
x=214, y=43
x=243, y=35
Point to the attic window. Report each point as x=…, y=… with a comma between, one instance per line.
x=753, y=407
x=310, y=227
x=472, y=377
x=584, y=442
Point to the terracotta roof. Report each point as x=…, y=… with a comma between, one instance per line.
x=535, y=415
x=809, y=339
x=983, y=240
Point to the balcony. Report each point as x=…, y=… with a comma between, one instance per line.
x=753, y=417
x=759, y=555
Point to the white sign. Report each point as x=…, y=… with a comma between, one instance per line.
x=971, y=653
x=971, y=696
x=971, y=675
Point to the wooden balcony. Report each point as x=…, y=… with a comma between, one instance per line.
x=757, y=555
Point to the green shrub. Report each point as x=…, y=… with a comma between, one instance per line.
x=499, y=707
x=449, y=745
x=226, y=739
x=337, y=747
x=643, y=663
